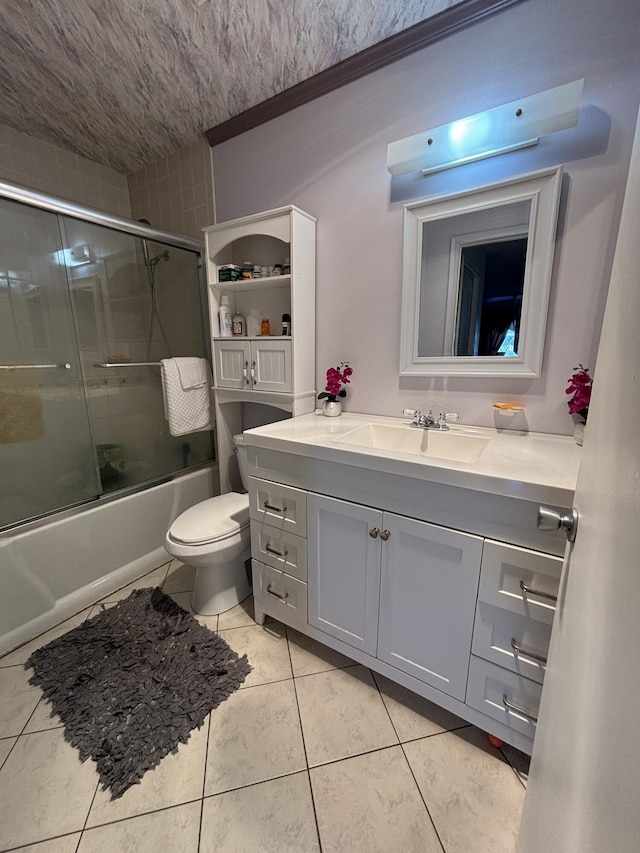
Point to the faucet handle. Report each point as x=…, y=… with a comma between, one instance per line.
x=447, y=416
x=416, y=414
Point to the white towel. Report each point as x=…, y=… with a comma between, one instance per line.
x=193, y=372
x=187, y=409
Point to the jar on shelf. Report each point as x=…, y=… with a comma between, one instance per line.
x=247, y=270
x=257, y=272
x=264, y=272
x=265, y=327
x=286, y=267
x=277, y=269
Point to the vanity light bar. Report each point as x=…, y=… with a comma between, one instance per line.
x=505, y=128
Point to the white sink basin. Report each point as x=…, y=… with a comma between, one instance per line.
x=452, y=446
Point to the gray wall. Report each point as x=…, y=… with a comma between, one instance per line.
x=329, y=158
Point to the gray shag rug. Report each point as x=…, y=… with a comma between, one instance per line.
x=132, y=682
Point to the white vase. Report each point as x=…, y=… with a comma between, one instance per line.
x=332, y=408
x=578, y=433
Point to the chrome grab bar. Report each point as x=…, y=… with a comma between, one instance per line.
x=127, y=364
x=66, y=366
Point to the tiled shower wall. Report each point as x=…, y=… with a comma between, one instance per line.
x=55, y=171
x=176, y=192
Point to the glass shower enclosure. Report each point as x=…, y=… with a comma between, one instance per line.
x=89, y=305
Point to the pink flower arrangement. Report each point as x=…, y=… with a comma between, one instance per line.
x=336, y=378
x=580, y=385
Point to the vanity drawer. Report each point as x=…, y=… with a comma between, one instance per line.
x=283, y=507
x=505, y=696
x=497, y=631
x=520, y=581
x=279, y=595
x=279, y=549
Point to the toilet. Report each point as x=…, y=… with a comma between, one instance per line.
x=214, y=536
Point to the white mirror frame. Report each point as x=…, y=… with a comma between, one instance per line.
x=543, y=190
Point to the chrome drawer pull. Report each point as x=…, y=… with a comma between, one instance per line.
x=511, y=706
x=529, y=590
x=529, y=653
x=271, y=550
x=281, y=509
x=276, y=594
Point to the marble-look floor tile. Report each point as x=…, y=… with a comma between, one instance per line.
x=174, y=829
x=65, y=844
x=271, y=817
x=240, y=616
x=41, y=719
x=472, y=793
x=266, y=648
x=44, y=789
x=254, y=735
x=412, y=715
x=6, y=745
x=519, y=761
x=179, y=778
x=309, y=656
x=342, y=714
x=371, y=804
x=153, y=578
x=19, y=699
x=180, y=578
x=22, y=654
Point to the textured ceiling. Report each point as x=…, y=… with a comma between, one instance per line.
x=124, y=82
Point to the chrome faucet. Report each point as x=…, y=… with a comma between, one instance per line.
x=428, y=421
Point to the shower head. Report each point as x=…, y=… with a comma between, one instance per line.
x=151, y=262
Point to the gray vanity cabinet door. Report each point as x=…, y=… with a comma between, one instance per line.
x=428, y=590
x=344, y=570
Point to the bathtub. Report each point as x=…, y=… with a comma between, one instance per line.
x=51, y=572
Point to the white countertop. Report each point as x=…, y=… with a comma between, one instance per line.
x=526, y=465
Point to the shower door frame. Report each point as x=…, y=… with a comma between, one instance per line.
x=56, y=205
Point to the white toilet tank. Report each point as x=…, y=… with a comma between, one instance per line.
x=241, y=451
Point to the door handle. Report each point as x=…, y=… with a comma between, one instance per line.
x=550, y=519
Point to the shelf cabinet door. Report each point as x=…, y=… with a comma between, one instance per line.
x=428, y=589
x=271, y=365
x=232, y=361
x=344, y=570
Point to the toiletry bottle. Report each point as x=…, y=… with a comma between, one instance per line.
x=253, y=323
x=286, y=267
x=265, y=327
x=277, y=269
x=247, y=270
x=226, y=323
x=286, y=324
x=239, y=326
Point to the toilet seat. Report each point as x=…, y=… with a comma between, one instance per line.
x=212, y=520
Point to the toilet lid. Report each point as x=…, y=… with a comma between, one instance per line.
x=215, y=518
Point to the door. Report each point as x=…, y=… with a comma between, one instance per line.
x=428, y=589
x=344, y=570
x=271, y=365
x=46, y=448
x=584, y=787
x=232, y=363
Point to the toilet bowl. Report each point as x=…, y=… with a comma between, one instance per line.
x=214, y=536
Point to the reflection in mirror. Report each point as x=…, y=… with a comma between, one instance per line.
x=476, y=279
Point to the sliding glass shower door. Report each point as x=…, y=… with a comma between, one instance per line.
x=47, y=458
x=135, y=302
x=87, y=311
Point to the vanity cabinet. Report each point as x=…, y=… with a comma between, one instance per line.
x=449, y=591
x=399, y=589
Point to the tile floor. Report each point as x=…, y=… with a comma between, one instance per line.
x=313, y=753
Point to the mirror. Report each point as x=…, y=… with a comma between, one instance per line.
x=476, y=277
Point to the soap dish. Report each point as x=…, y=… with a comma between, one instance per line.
x=508, y=409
